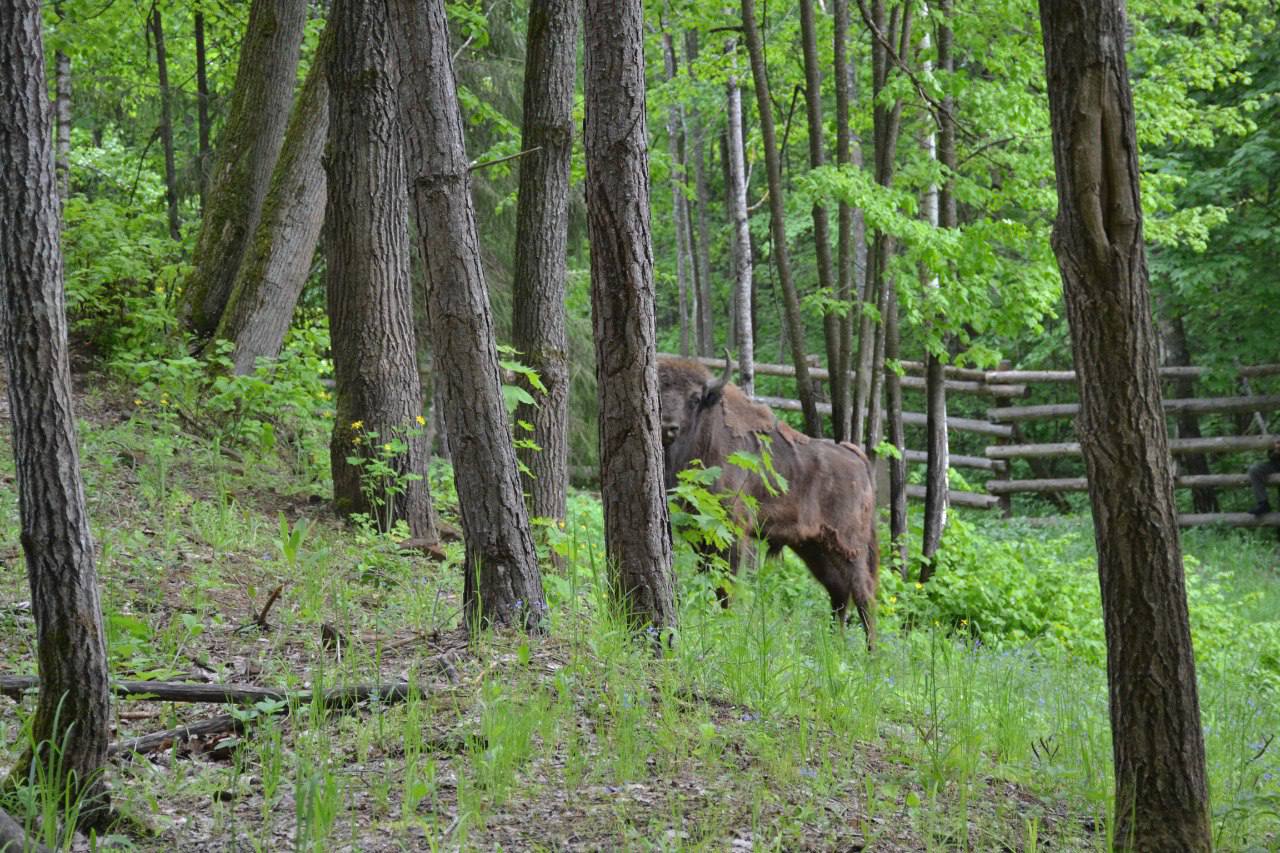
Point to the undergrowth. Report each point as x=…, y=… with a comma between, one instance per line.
x=980, y=723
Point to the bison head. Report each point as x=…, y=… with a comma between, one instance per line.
x=686, y=390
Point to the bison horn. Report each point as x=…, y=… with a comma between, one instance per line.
x=719, y=384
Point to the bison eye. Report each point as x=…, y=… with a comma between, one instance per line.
x=694, y=398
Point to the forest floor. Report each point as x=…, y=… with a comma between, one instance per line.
x=762, y=729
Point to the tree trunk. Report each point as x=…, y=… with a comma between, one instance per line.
x=637, y=540
x=72, y=707
x=851, y=251
x=166, y=126
x=821, y=226
x=1177, y=353
x=702, y=244
x=379, y=400
x=777, y=213
x=542, y=228
x=1161, y=797
x=202, y=107
x=679, y=205
x=502, y=586
x=62, y=110
x=278, y=261
x=742, y=267
x=944, y=211
x=246, y=157
x=897, y=435
x=886, y=120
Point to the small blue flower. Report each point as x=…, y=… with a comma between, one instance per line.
x=808, y=773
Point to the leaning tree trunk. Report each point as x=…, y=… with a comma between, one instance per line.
x=679, y=205
x=1161, y=797
x=742, y=289
x=246, y=157
x=370, y=305
x=166, y=126
x=542, y=228
x=637, y=542
x=202, y=107
x=778, y=226
x=503, y=585
x=72, y=706
x=821, y=226
x=279, y=259
x=944, y=212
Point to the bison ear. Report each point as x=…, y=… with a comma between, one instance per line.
x=713, y=390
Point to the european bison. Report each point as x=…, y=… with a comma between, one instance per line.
x=826, y=516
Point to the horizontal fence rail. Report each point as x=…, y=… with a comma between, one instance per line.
x=1212, y=444
x=1002, y=420
x=1197, y=406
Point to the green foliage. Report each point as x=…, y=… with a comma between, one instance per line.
x=282, y=405
x=380, y=459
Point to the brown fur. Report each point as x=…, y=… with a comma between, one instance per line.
x=827, y=514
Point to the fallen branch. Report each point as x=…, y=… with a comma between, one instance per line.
x=14, y=686
x=222, y=724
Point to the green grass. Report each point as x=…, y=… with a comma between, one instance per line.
x=984, y=727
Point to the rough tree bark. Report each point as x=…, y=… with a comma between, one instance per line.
x=777, y=215
x=503, y=585
x=370, y=315
x=246, y=156
x=637, y=542
x=62, y=111
x=166, y=125
x=944, y=213
x=542, y=227
x=742, y=289
x=72, y=706
x=821, y=225
x=699, y=225
x=278, y=261
x=1161, y=797
x=202, y=107
x=679, y=204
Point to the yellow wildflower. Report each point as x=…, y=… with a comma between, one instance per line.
x=919, y=585
x=893, y=599
x=357, y=424
x=421, y=420
x=356, y=441
x=137, y=402
x=387, y=447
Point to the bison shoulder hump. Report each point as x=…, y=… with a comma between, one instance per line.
x=743, y=416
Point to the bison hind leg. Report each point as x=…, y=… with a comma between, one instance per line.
x=844, y=579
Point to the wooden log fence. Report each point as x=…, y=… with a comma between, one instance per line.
x=1004, y=418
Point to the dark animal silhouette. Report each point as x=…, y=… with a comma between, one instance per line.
x=826, y=515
